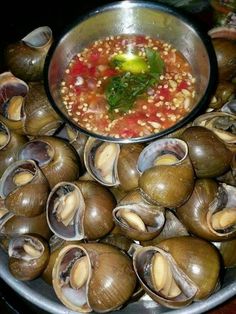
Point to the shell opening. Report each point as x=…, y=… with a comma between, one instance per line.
x=3, y=138
x=104, y=160
x=65, y=211
x=162, y=277
x=224, y=219
x=131, y=219
x=39, y=37
x=161, y=152
x=14, y=108
x=22, y=177
x=79, y=273
x=38, y=151
x=70, y=278
x=26, y=248
x=65, y=207
x=17, y=174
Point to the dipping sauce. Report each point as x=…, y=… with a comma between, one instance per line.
x=128, y=86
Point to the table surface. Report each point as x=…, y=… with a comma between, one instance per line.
x=16, y=25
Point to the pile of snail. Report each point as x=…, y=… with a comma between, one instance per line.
x=105, y=223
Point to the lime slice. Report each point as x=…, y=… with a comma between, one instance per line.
x=131, y=63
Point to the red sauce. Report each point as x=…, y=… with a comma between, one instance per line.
x=160, y=106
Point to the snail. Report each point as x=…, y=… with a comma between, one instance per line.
x=93, y=276
x=28, y=256
x=167, y=175
x=26, y=57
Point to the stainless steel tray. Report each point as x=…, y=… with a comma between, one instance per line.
x=42, y=295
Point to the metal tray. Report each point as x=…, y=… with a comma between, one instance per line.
x=42, y=295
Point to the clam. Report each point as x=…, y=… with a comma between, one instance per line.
x=28, y=256
x=101, y=159
x=168, y=275
x=80, y=210
x=209, y=155
x=93, y=277
x=56, y=158
x=210, y=212
x=26, y=57
x=167, y=175
x=24, y=188
x=221, y=123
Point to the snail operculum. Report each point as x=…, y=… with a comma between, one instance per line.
x=131, y=219
x=3, y=138
x=66, y=206
x=222, y=210
x=26, y=248
x=224, y=219
x=162, y=277
x=71, y=274
x=65, y=211
x=22, y=177
x=13, y=109
x=101, y=161
x=79, y=273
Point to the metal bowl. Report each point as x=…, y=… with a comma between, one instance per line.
x=41, y=295
x=134, y=17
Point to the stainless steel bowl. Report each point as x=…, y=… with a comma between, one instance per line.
x=134, y=17
x=43, y=296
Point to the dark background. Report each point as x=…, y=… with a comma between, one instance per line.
x=17, y=19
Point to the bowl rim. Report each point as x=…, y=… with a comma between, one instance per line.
x=179, y=13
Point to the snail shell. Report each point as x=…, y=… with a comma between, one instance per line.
x=26, y=57
x=227, y=250
x=80, y=210
x=76, y=139
x=65, y=211
x=40, y=117
x=56, y=158
x=100, y=159
x=210, y=212
x=168, y=275
x=221, y=123
x=127, y=166
x=173, y=227
x=158, y=183
x=24, y=188
x=137, y=219
x=12, y=93
x=93, y=276
x=28, y=256
x=16, y=225
x=209, y=155
x=10, y=144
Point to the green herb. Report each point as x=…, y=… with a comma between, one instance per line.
x=123, y=90
x=156, y=64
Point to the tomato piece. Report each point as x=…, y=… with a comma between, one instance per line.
x=78, y=68
x=182, y=85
